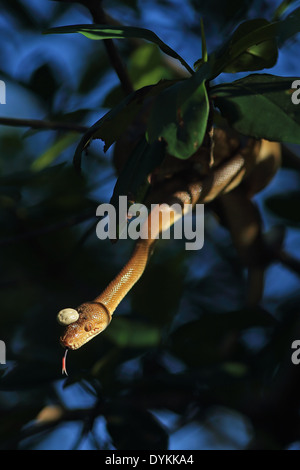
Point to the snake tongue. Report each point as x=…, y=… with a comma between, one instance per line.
x=64, y=363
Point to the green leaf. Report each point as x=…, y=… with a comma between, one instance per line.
x=252, y=46
x=260, y=106
x=114, y=123
x=179, y=115
x=256, y=57
x=146, y=66
x=96, y=31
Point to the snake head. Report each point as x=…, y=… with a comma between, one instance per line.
x=93, y=319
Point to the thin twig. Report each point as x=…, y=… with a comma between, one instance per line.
x=41, y=124
x=98, y=15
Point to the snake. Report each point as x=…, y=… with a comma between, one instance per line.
x=248, y=165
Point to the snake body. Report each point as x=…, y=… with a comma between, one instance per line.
x=239, y=168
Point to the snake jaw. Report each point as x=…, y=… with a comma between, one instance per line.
x=93, y=319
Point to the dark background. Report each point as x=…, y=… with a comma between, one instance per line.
x=184, y=364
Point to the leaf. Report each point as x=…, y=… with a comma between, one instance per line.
x=256, y=57
x=41, y=76
x=114, y=123
x=96, y=31
x=133, y=180
x=283, y=6
x=260, y=106
x=180, y=114
x=146, y=66
x=252, y=47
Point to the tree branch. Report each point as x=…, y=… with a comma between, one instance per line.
x=98, y=15
x=41, y=124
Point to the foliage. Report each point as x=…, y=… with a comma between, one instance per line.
x=183, y=345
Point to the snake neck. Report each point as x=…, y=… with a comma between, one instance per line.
x=127, y=277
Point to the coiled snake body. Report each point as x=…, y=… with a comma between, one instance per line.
x=232, y=176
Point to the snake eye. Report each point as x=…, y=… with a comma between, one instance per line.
x=88, y=327
x=67, y=316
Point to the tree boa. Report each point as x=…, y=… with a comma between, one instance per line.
x=227, y=170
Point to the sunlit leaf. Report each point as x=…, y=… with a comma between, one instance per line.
x=118, y=32
x=258, y=56
x=179, y=116
x=146, y=66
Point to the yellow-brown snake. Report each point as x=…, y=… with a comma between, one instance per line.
x=245, y=165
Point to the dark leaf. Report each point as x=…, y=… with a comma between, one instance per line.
x=115, y=123
x=260, y=106
x=133, y=181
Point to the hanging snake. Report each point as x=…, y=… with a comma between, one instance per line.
x=229, y=170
